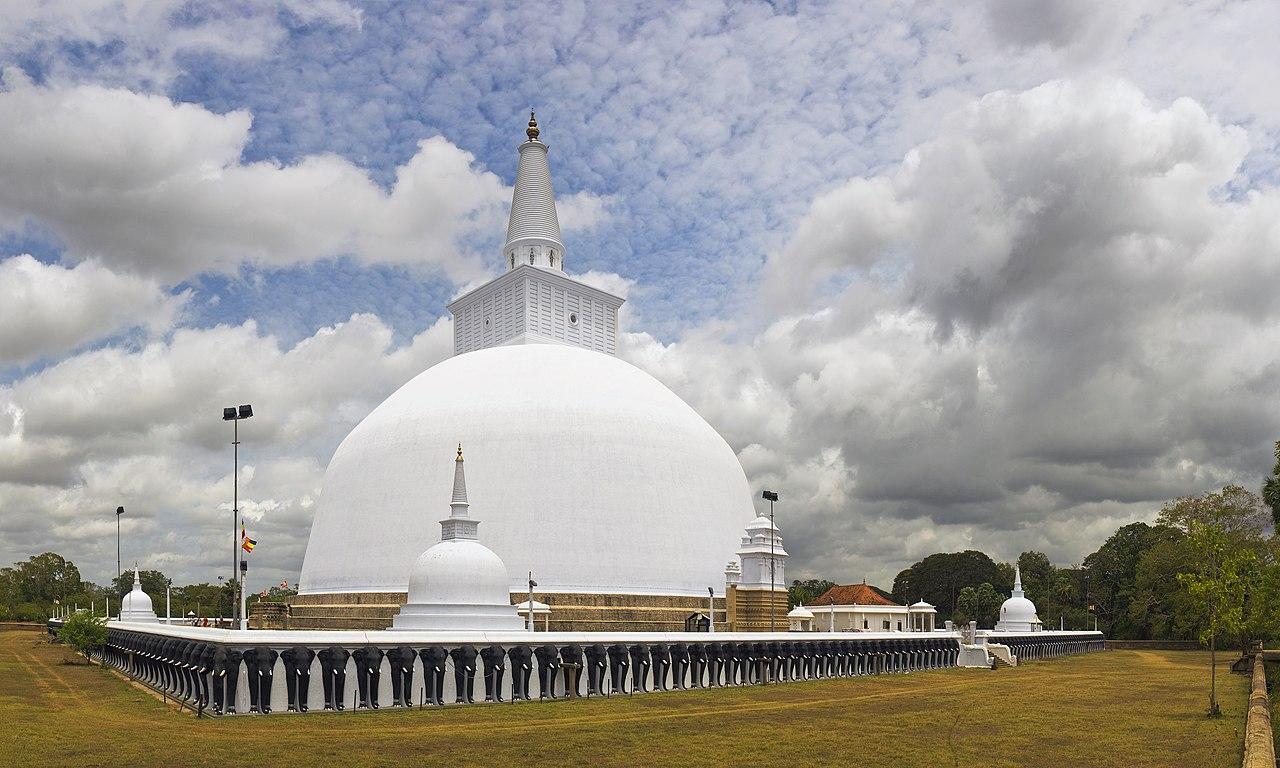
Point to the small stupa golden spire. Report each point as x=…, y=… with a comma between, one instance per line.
x=459, y=452
x=532, y=130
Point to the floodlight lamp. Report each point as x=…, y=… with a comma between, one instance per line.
x=769, y=495
x=244, y=566
x=119, y=511
x=228, y=414
x=246, y=411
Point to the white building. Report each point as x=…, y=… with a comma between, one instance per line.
x=756, y=580
x=762, y=558
x=859, y=608
x=592, y=474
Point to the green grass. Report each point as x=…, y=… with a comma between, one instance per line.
x=1121, y=708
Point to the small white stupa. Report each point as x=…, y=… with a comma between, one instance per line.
x=135, y=607
x=1018, y=614
x=800, y=619
x=458, y=583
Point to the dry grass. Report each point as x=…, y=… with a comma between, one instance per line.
x=1121, y=708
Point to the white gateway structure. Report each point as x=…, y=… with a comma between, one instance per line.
x=618, y=497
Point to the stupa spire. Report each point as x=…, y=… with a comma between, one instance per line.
x=533, y=232
x=1017, y=581
x=459, y=525
x=459, y=501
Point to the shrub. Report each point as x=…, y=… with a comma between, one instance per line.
x=83, y=633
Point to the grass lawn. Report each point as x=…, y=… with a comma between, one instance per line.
x=1121, y=708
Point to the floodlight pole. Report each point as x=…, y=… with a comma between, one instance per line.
x=235, y=508
x=773, y=603
x=234, y=415
x=119, y=512
x=772, y=496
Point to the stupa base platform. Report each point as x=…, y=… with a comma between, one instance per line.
x=220, y=671
x=570, y=612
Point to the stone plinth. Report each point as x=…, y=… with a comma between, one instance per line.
x=268, y=616
x=570, y=612
x=751, y=609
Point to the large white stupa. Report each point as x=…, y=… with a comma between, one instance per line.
x=590, y=472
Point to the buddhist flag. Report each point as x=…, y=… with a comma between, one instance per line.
x=246, y=543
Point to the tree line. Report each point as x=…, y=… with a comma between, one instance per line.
x=30, y=591
x=1207, y=569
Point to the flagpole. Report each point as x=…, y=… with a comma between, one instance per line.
x=235, y=502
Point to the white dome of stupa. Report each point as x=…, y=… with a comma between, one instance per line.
x=800, y=612
x=458, y=583
x=458, y=572
x=591, y=474
x=1018, y=614
x=136, y=605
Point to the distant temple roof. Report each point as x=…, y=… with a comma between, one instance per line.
x=852, y=594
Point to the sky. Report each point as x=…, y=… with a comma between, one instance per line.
x=995, y=275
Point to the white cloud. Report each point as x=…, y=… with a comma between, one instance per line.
x=143, y=429
x=46, y=309
x=160, y=188
x=1046, y=320
x=1019, y=325
x=149, y=36
x=582, y=210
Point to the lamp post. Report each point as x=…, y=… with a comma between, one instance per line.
x=119, y=512
x=772, y=496
x=168, y=605
x=711, y=610
x=234, y=415
x=220, y=600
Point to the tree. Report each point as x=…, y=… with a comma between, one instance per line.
x=83, y=633
x=939, y=578
x=1220, y=528
x=1271, y=492
x=1262, y=595
x=981, y=604
x=1112, y=576
x=805, y=592
x=32, y=587
x=205, y=599
x=278, y=594
x=1158, y=607
x=9, y=592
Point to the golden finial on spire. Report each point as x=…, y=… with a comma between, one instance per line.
x=459, y=452
x=532, y=130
